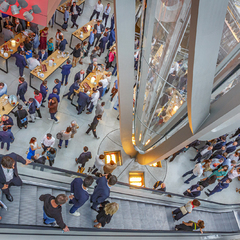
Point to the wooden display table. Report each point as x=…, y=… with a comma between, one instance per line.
x=18, y=38
x=7, y=107
x=58, y=61
x=87, y=80
x=61, y=8
x=86, y=35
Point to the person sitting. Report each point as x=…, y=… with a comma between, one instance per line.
x=105, y=213
x=194, y=191
x=190, y=226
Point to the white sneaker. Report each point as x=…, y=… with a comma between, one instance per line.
x=76, y=214
x=50, y=119
x=38, y=118
x=56, y=121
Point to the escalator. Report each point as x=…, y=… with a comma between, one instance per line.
x=142, y=212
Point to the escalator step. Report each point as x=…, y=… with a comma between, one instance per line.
x=28, y=205
x=12, y=214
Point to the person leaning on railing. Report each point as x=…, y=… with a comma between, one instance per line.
x=190, y=226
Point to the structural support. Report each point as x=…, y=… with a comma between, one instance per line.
x=206, y=26
x=124, y=11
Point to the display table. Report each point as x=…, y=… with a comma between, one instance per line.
x=11, y=49
x=58, y=61
x=98, y=75
x=86, y=35
x=61, y=8
x=7, y=106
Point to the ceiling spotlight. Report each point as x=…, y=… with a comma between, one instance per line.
x=11, y=2
x=15, y=10
x=28, y=15
x=4, y=6
x=22, y=3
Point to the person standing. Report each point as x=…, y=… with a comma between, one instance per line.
x=34, y=27
x=112, y=22
x=99, y=163
x=100, y=29
x=109, y=167
x=66, y=135
x=106, y=13
x=47, y=142
x=33, y=147
x=93, y=126
x=42, y=55
x=66, y=71
x=75, y=12
x=111, y=57
x=194, y=191
x=43, y=91
x=38, y=101
x=112, y=38
x=53, y=105
x=21, y=115
x=52, y=210
x=220, y=186
x=22, y=89
x=50, y=46
x=7, y=33
x=83, y=158
x=105, y=83
x=114, y=90
x=103, y=42
x=51, y=154
x=7, y=121
x=74, y=127
x=76, y=54
x=20, y=62
x=66, y=15
x=79, y=76
x=231, y=147
x=105, y=213
x=57, y=86
x=186, y=209
x=33, y=62
x=100, y=109
x=74, y=86
x=6, y=137
x=83, y=100
x=102, y=190
x=43, y=38
x=32, y=109
x=62, y=44
x=203, y=154
x=91, y=39
x=18, y=26
x=98, y=8
x=36, y=43
x=94, y=100
x=54, y=94
x=9, y=173
x=79, y=194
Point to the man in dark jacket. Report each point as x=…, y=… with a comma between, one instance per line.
x=54, y=94
x=42, y=55
x=74, y=86
x=218, y=152
x=6, y=137
x=102, y=190
x=111, y=38
x=84, y=157
x=75, y=11
x=66, y=71
x=79, y=76
x=83, y=100
x=52, y=210
x=20, y=62
x=103, y=42
x=93, y=126
x=7, y=121
x=221, y=185
x=9, y=173
x=22, y=89
x=32, y=109
x=57, y=86
x=79, y=194
x=62, y=44
x=91, y=67
x=100, y=29
x=194, y=191
x=219, y=144
x=205, y=153
x=231, y=147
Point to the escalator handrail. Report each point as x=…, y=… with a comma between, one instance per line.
x=133, y=187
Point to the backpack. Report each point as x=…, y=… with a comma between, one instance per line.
x=59, y=135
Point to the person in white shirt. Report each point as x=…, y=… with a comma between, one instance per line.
x=99, y=163
x=234, y=156
x=196, y=172
x=98, y=8
x=106, y=13
x=104, y=82
x=47, y=142
x=94, y=100
x=100, y=109
x=33, y=62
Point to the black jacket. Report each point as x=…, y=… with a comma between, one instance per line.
x=79, y=10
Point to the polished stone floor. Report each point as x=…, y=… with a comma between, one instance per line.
x=108, y=129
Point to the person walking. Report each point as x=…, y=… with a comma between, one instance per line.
x=38, y=101
x=106, y=13
x=102, y=190
x=32, y=109
x=100, y=109
x=51, y=154
x=79, y=194
x=91, y=40
x=66, y=71
x=83, y=158
x=93, y=126
x=66, y=135
x=98, y=8
x=186, y=209
x=105, y=213
x=83, y=100
x=76, y=55
x=21, y=115
x=44, y=91
x=20, y=62
x=52, y=210
x=190, y=226
x=9, y=173
x=74, y=127
x=53, y=105
x=6, y=137
x=75, y=11
x=33, y=147
x=47, y=142
x=109, y=167
x=43, y=38
x=220, y=186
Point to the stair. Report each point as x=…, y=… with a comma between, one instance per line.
x=27, y=209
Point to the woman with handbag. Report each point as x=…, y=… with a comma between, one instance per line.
x=21, y=115
x=186, y=209
x=33, y=147
x=190, y=226
x=66, y=135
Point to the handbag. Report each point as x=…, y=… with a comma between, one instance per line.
x=59, y=135
x=183, y=210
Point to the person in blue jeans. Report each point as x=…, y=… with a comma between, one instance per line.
x=66, y=71
x=79, y=194
x=66, y=135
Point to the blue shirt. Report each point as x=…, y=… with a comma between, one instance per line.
x=66, y=15
x=116, y=84
x=91, y=38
